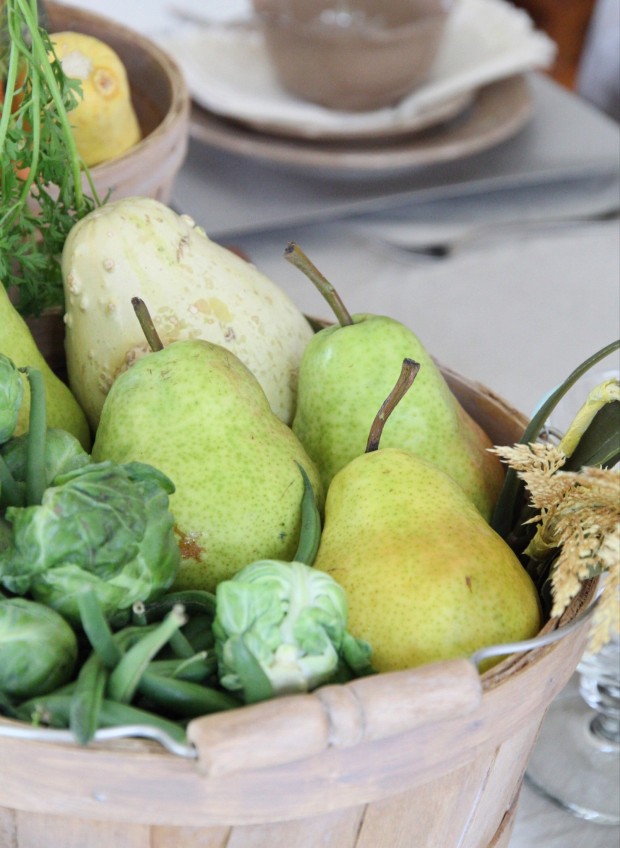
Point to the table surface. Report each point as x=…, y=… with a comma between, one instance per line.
x=513, y=306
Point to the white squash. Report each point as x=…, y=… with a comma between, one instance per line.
x=193, y=288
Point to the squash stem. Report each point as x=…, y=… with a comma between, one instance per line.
x=146, y=322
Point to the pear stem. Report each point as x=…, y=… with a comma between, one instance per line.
x=146, y=322
x=295, y=255
x=407, y=375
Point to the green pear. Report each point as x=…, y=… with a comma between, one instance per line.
x=197, y=413
x=348, y=369
x=17, y=342
x=425, y=576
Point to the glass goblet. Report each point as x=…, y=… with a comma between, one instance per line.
x=576, y=760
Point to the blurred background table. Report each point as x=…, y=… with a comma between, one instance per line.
x=505, y=262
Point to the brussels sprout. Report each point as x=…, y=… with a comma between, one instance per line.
x=63, y=453
x=11, y=395
x=104, y=525
x=38, y=649
x=285, y=624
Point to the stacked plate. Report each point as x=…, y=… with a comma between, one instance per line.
x=476, y=96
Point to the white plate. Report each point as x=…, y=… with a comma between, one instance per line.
x=427, y=117
x=229, y=75
x=498, y=111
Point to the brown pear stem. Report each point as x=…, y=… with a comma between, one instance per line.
x=407, y=376
x=146, y=322
x=295, y=255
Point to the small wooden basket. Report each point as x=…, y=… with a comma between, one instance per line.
x=431, y=757
x=160, y=97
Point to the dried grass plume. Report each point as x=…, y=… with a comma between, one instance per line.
x=578, y=513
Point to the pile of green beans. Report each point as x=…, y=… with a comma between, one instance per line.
x=158, y=670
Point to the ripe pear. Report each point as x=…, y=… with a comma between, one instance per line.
x=425, y=576
x=17, y=342
x=194, y=411
x=194, y=288
x=348, y=369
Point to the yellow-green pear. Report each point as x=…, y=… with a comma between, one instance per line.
x=346, y=372
x=17, y=342
x=425, y=576
x=195, y=412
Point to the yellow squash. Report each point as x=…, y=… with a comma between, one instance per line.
x=104, y=122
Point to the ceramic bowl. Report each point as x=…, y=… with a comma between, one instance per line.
x=160, y=98
x=352, y=55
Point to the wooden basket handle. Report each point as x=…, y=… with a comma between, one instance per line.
x=294, y=727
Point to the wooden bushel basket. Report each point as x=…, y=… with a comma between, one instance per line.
x=433, y=757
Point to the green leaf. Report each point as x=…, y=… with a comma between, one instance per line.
x=599, y=447
x=310, y=532
x=36, y=136
x=511, y=500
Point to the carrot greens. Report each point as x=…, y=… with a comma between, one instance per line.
x=41, y=171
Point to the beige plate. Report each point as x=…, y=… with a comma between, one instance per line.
x=498, y=112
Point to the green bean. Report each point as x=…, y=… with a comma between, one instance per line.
x=129, y=635
x=310, y=533
x=97, y=629
x=54, y=711
x=198, y=631
x=36, y=480
x=7, y=708
x=256, y=685
x=194, y=602
x=64, y=691
x=196, y=668
x=181, y=646
x=87, y=699
x=125, y=677
x=114, y=714
x=183, y=697
x=10, y=493
x=138, y=614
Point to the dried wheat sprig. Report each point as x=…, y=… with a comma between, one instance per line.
x=578, y=513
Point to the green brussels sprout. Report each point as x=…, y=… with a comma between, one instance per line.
x=63, y=453
x=11, y=395
x=289, y=620
x=38, y=649
x=103, y=525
